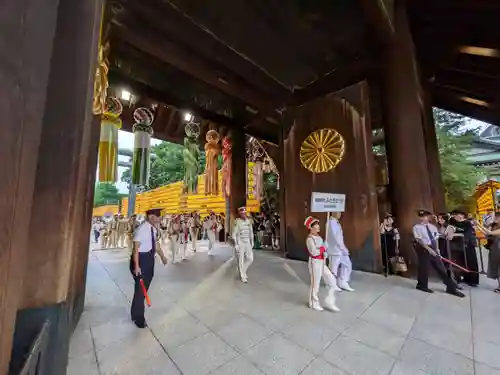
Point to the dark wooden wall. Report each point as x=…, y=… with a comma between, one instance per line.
x=48, y=150
x=354, y=176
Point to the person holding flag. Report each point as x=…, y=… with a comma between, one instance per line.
x=142, y=263
x=426, y=245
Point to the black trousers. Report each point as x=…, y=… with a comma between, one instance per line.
x=147, y=265
x=425, y=261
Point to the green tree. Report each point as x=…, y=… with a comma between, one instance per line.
x=454, y=140
x=106, y=193
x=270, y=201
x=168, y=166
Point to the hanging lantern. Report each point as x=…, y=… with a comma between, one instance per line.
x=191, y=155
x=108, y=143
x=212, y=151
x=227, y=146
x=143, y=131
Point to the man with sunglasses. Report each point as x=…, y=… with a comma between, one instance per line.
x=142, y=262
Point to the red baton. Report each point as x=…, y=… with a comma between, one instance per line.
x=145, y=292
x=456, y=265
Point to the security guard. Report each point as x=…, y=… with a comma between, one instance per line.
x=142, y=262
x=426, y=246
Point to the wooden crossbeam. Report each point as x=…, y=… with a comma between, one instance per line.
x=334, y=81
x=378, y=16
x=190, y=63
x=450, y=101
x=116, y=77
x=481, y=87
x=181, y=28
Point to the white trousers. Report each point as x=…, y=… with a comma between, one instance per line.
x=318, y=270
x=211, y=240
x=194, y=236
x=341, y=266
x=174, y=247
x=244, y=253
x=121, y=239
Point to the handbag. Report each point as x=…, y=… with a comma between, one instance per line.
x=399, y=264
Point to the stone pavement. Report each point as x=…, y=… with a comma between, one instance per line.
x=205, y=321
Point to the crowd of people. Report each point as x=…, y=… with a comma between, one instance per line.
x=441, y=238
x=445, y=243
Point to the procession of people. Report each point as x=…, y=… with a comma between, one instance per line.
x=445, y=243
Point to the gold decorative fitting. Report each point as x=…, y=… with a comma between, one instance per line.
x=322, y=150
x=101, y=81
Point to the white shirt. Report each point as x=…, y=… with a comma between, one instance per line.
x=313, y=244
x=144, y=237
x=335, y=238
x=242, y=231
x=420, y=232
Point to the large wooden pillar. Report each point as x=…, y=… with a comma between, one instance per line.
x=60, y=198
x=26, y=47
x=409, y=175
x=239, y=173
x=432, y=152
x=348, y=113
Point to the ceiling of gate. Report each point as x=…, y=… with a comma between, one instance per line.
x=237, y=63
x=458, y=46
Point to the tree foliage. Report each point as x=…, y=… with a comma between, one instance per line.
x=106, y=193
x=168, y=166
x=454, y=140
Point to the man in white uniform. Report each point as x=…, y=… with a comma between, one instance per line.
x=243, y=242
x=142, y=262
x=211, y=227
x=338, y=255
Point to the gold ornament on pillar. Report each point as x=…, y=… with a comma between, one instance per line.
x=212, y=151
x=322, y=150
x=101, y=81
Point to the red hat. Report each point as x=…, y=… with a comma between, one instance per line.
x=310, y=221
x=242, y=210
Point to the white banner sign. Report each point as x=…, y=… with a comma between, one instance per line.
x=327, y=202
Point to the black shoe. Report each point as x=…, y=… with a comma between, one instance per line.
x=427, y=290
x=140, y=323
x=456, y=293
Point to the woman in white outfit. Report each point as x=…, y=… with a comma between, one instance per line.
x=316, y=248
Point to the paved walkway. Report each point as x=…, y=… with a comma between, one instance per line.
x=204, y=321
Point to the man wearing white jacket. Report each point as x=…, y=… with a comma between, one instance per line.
x=243, y=242
x=338, y=255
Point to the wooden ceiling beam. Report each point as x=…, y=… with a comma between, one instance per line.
x=379, y=18
x=143, y=89
x=182, y=29
x=450, y=101
x=189, y=63
x=480, y=87
x=336, y=80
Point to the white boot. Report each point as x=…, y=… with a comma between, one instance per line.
x=344, y=285
x=330, y=301
x=316, y=306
